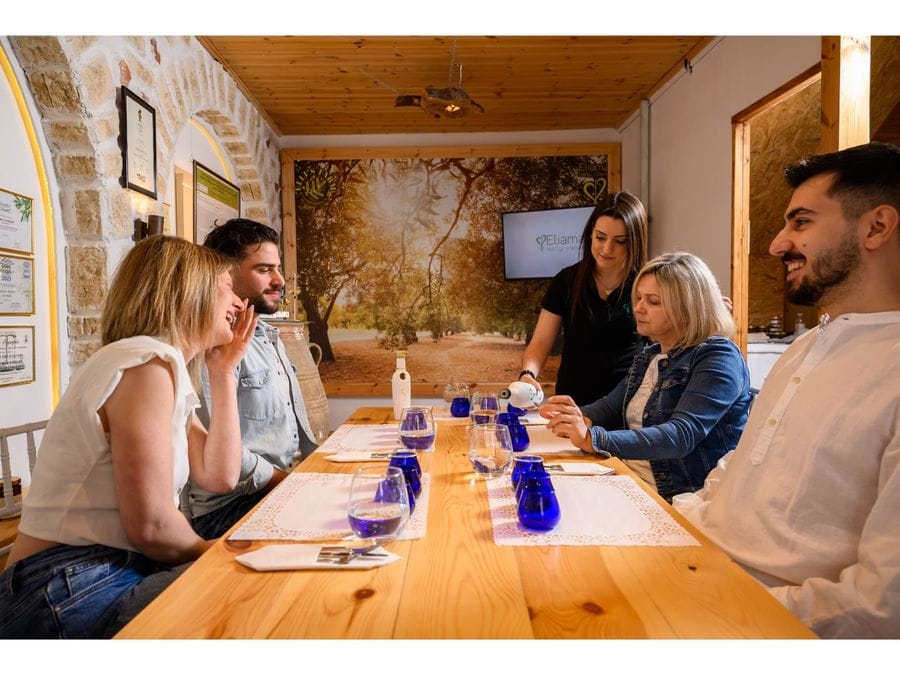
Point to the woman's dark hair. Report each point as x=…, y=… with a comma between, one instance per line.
x=622, y=206
x=232, y=237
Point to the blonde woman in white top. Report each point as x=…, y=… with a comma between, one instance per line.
x=101, y=523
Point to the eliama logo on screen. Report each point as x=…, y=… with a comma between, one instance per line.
x=557, y=242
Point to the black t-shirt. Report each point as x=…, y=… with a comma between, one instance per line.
x=599, y=345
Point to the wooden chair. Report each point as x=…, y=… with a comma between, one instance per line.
x=9, y=507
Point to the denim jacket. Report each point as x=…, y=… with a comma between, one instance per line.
x=695, y=414
x=274, y=424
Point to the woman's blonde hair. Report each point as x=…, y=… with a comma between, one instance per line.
x=165, y=287
x=690, y=297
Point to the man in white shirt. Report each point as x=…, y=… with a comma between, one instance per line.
x=809, y=501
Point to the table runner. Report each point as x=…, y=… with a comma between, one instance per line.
x=313, y=507
x=596, y=510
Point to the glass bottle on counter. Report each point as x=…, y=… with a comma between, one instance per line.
x=799, y=326
x=401, y=389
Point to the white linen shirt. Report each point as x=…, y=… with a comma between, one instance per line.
x=72, y=499
x=809, y=501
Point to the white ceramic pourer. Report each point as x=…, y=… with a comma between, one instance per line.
x=522, y=395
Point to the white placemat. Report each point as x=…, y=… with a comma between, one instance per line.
x=361, y=437
x=596, y=510
x=313, y=507
x=545, y=441
x=532, y=417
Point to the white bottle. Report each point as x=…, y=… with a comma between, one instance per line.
x=799, y=326
x=522, y=395
x=400, y=385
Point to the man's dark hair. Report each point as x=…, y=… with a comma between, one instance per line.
x=864, y=176
x=232, y=237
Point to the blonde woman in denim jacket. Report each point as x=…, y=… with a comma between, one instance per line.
x=686, y=398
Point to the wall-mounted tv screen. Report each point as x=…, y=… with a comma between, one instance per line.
x=538, y=244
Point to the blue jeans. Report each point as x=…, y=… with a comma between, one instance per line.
x=214, y=524
x=78, y=591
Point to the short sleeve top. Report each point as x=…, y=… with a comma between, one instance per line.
x=601, y=341
x=72, y=499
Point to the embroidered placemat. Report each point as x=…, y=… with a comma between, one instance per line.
x=595, y=510
x=362, y=437
x=313, y=507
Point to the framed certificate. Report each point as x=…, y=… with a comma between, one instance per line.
x=16, y=285
x=215, y=201
x=137, y=130
x=16, y=355
x=16, y=222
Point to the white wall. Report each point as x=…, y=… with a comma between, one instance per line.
x=20, y=404
x=691, y=146
x=630, y=133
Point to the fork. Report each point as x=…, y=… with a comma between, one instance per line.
x=341, y=555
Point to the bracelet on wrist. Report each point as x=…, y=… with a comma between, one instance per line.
x=527, y=372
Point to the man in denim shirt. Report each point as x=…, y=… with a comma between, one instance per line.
x=275, y=430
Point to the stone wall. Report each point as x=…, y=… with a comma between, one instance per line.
x=75, y=85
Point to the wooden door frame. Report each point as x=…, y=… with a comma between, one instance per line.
x=740, y=200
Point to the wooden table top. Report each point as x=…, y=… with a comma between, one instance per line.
x=457, y=583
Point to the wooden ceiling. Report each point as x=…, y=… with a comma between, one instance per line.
x=347, y=85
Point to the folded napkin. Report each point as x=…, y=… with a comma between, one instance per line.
x=303, y=557
x=360, y=456
x=579, y=469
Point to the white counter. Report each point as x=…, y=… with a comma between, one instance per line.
x=761, y=356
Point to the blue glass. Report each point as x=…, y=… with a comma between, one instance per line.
x=460, y=406
x=518, y=434
x=518, y=412
x=387, y=492
x=417, y=429
x=538, y=506
x=408, y=463
x=523, y=464
x=534, y=472
x=406, y=459
x=490, y=402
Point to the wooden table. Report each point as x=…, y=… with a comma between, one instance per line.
x=456, y=583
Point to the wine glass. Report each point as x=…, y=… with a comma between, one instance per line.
x=485, y=406
x=538, y=507
x=417, y=428
x=490, y=449
x=378, y=507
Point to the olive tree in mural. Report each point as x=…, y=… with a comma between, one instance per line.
x=412, y=247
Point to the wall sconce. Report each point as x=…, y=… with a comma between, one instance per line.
x=143, y=229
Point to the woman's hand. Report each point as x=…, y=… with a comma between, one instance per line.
x=225, y=358
x=528, y=379
x=566, y=421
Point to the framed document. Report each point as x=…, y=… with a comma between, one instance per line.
x=215, y=201
x=137, y=128
x=16, y=285
x=15, y=222
x=16, y=355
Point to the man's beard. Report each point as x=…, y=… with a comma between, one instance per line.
x=263, y=305
x=829, y=270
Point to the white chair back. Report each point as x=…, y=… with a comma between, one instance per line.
x=10, y=507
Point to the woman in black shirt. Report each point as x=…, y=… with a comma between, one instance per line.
x=591, y=302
